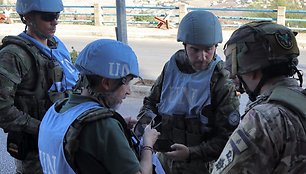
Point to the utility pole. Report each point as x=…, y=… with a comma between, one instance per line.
x=121, y=29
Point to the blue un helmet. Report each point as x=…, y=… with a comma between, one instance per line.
x=25, y=6
x=107, y=58
x=200, y=28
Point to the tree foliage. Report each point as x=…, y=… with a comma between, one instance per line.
x=290, y=5
x=144, y=18
x=279, y=3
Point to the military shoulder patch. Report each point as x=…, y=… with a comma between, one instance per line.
x=284, y=40
x=234, y=118
x=224, y=160
x=237, y=143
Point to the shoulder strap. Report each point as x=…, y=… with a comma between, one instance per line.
x=23, y=45
x=21, y=42
x=292, y=99
x=71, y=142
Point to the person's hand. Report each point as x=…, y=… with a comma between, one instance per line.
x=130, y=121
x=150, y=136
x=180, y=152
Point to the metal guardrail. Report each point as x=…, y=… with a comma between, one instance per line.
x=86, y=14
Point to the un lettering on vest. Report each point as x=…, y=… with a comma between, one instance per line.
x=181, y=95
x=69, y=65
x=47, y=162
x=117, y=69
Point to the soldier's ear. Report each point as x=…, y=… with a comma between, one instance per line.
x=28, y=18
x=105, y=84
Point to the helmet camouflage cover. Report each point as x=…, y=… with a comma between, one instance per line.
x=260, y=44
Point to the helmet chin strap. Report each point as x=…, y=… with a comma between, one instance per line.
x=253, y=94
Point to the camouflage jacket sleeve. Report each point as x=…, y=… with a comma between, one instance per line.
x=13, y=66
x=226, y=117
x=256, y=145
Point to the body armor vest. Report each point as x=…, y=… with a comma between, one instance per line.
x=59, y=123
x=72, y=140
x=32, y=93
x=183, y=105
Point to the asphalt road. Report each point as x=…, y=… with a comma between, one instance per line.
x=153, y=53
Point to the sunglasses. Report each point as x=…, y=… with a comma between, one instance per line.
x=49, y=16
x=125, y=81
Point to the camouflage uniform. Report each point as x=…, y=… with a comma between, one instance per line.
x=24, y=84
x=270, y=139
x=223, y=107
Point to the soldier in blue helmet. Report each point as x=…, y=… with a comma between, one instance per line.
x=193, y=99
x=83, y=133
x=35, y=70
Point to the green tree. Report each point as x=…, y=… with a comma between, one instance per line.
x=274, y=4
x=144, y=17
x=290, y=5
x=280, y=3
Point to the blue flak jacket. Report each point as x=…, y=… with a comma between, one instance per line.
x=186, y=94
x=62, y=55
x=52, y=131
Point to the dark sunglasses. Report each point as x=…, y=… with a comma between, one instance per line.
x=49, y=16
x=125, y=81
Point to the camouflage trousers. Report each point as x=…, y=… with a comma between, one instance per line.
x=30, y=165
x=183, y=167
